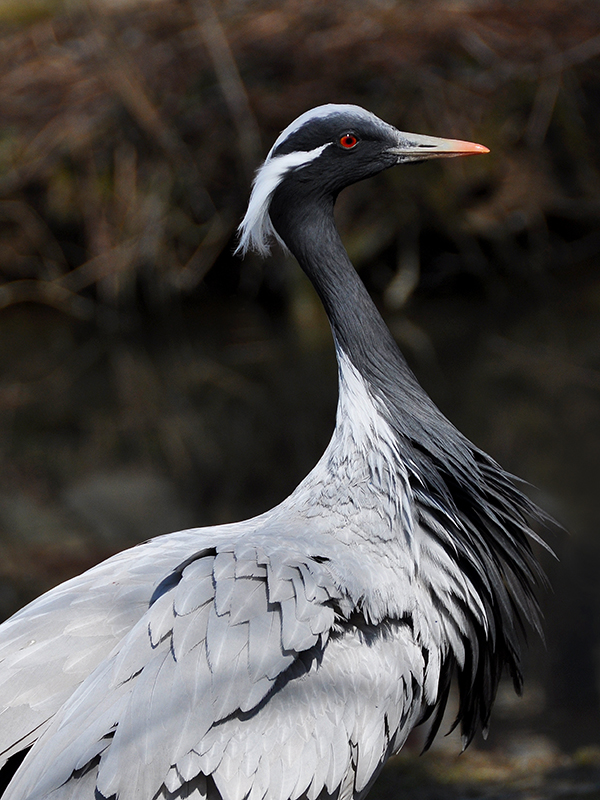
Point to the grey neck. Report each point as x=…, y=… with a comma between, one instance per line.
x=307, y=226
x=308, y=229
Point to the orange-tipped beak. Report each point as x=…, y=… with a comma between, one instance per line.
x=458, y=148
x=416, y=147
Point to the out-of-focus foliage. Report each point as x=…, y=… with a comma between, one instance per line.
x=129, y=136
x=150, y=380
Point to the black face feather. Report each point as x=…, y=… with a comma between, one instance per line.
x=337, y=166
x=330, y=129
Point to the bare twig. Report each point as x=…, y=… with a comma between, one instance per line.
x=107, y=263
x=38, y=234
x=205, y=255
x=579, y=54
x=543, y=109
x=122, y=74
x=406, y=279
x=231, y=84
x=49, y=293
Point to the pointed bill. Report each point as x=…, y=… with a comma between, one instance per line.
x=416, y=147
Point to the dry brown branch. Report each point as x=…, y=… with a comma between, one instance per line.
x=231, y=84
x=48, y=293
x=119, y=122
x=543, y=109
x=38, y=233
x=193, y=272
x=122, y=75
x=579, y=54
x=108, y=263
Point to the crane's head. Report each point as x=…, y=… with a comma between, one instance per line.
x=327, y=149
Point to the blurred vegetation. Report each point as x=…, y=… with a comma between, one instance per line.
x=129, y=136
x=149, y=380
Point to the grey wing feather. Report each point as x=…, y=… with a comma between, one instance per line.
x=341, y=712
x=182, y=693
x=49, y=647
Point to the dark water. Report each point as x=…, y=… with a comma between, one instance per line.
x=215, y=412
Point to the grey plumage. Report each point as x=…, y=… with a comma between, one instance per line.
x=289, y=655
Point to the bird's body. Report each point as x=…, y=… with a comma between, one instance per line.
x=289, y=655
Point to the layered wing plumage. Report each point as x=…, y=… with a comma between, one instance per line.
x=49, y=647
x=183, y=693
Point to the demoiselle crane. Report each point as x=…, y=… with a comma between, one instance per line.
x=289, y=655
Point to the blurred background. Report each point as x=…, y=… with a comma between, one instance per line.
x=150, y=380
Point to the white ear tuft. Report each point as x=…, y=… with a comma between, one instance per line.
x=256, y=230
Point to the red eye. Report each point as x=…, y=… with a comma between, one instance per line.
x=348, y=140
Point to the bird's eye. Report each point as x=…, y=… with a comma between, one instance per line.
x=348, y=140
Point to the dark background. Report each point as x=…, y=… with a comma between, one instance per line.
x=150, y=380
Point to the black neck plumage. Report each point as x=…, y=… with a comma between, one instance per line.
x=462, y=497
x=307, y=226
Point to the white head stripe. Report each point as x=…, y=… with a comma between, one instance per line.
x=256, y=228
